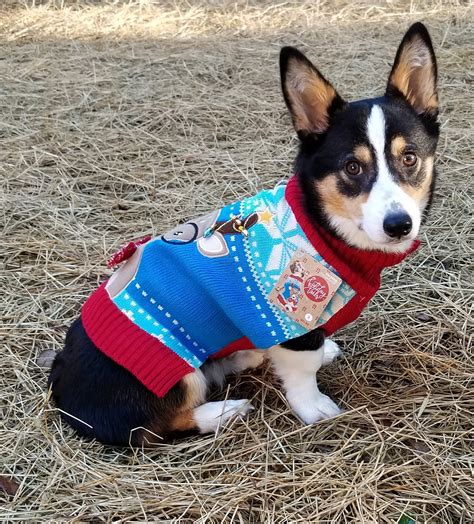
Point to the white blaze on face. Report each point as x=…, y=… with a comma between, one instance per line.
x=386, y=195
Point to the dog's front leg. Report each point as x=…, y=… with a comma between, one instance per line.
x=296, y=367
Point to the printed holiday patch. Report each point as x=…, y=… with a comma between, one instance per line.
x=304, y=289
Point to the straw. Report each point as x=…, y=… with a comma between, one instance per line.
x=121, y=119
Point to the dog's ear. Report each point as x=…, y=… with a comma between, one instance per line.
x=310, y=98
x=414, y=72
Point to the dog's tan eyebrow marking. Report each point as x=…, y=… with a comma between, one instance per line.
x=363, y=154
x=398, y=145
x=420, y=192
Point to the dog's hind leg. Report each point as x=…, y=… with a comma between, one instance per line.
x=209, y=417
x=198, y=416
x=216, y=370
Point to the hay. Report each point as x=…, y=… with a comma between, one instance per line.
x=121, y=119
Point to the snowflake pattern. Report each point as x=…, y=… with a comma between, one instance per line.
x=257, y=260
x=272, y=244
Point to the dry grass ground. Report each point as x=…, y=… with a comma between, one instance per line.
x=119, y=120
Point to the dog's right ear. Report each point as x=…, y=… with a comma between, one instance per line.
x=310, y=98
x=414, y=72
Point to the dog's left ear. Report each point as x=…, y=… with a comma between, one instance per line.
x=414, y=72
x=310, y=98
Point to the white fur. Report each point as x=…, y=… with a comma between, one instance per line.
x=297, y=371
x=354, y=235
x=386, y=195
x=331, y=351
x=210, y=416
x=367, y=232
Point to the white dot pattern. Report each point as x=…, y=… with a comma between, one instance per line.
x=145, y=320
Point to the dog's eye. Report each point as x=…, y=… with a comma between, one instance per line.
x=409, y=159
x=352, y=167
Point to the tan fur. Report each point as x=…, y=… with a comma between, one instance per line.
x=414, y=76
x=310, y=97
x=337, y=203
x=184, y=421
x=195, y=385
x=398, y=146
x=363, y=154
x=420, y=192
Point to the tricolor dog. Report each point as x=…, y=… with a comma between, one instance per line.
x=268, y=277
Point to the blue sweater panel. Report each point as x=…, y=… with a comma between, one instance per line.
x=205, y=284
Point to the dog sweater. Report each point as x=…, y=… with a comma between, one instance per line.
x=204, y=289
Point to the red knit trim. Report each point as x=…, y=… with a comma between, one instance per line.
x=238, y=345
x=153, y=364
x=346, y=314
x=359, y=268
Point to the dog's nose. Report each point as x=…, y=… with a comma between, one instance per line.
x=397, y=224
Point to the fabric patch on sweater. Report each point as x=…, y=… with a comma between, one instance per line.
x=206, y=283
x=304, y=289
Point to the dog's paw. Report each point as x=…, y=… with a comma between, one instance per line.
x=212, y=415
x=331, y=351
x=240, y=408
x=246, y=359
x=320, y=407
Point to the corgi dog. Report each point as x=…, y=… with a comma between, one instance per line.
x=280, y=271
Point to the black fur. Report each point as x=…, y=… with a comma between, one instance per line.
x=307, y=342
x=93, y=388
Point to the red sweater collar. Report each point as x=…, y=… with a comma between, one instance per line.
x=359, y=268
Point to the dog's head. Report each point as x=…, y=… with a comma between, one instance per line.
x=297, y=269
x=366, y=167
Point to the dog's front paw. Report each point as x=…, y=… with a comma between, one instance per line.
x=331, y=351
x=320, y=407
